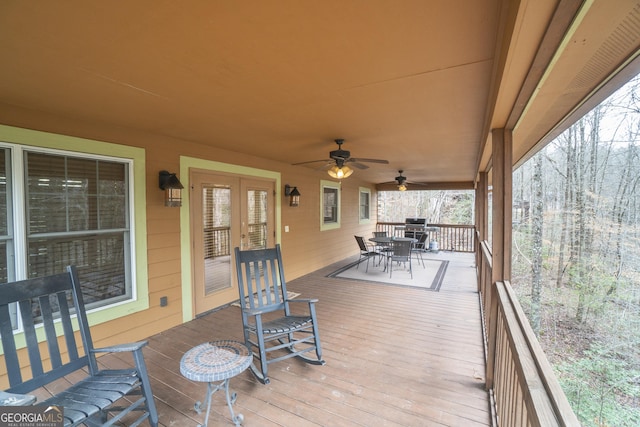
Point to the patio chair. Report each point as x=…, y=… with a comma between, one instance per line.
x=366, y=251
x=381, y=247
x=420, y=247
x=401, y=253
x=268, y=323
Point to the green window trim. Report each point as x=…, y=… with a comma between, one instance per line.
x=140, y=281
x=330, y=205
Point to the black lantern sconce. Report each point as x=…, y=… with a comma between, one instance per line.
x=172, y=187
x=293, y=194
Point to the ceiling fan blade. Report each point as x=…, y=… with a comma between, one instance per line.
x=310, y=161
x=384, y=162
x=326, y=166
x=359, y=165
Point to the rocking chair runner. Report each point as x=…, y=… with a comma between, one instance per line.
x=268, y=323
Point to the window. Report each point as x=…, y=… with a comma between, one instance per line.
x=365, y=205
x=67, y=209
x=330, y=205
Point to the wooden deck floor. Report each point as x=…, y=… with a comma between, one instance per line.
x=396, y=356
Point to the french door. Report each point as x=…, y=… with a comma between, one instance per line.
x=227, y=211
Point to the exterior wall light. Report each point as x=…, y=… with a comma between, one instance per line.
x=293, y=194
x=172, y=187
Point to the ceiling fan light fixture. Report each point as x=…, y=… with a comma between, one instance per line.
x=402, y=187
x=340, y=172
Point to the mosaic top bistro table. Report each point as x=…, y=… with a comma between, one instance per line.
x=216, y=361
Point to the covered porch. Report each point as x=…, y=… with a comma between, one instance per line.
x=455, y=94
x=396, y=356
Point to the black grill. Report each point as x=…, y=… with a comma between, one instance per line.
x=414, y=227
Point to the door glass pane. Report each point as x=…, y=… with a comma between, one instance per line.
x=216, y=221
x=257, y=226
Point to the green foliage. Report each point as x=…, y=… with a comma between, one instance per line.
x=459, y=209
x=598, y=385
x=592, y=284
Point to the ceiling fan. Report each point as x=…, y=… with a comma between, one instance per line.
x=338, y=160
x=401, y=182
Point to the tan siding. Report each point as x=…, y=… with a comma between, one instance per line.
x=305, y=247
x=164, y=268
x=168, y=282
x=163, y=241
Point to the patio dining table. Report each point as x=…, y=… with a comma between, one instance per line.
x=385, y=242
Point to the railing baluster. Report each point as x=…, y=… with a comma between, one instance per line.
x=455, y=237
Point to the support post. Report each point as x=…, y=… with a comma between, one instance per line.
x=481, y=219
x=501, y=233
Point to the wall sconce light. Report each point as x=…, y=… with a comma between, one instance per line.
x=172, y=187
x=293, y=194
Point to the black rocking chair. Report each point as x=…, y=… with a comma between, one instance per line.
x=97, y=396
x=268, y=323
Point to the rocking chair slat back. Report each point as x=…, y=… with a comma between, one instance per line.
x=262, y=282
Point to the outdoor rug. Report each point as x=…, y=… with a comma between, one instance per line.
x=429, y=278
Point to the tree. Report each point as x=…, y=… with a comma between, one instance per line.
x=537, y=217
x=584, y=188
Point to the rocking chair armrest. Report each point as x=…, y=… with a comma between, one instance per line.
x=120, y=348
x=15, y=399
x=307, y=300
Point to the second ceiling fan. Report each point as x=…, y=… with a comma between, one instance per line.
x=402, y=183
x=339, y=159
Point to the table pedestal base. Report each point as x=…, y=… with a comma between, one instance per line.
x=231, y=399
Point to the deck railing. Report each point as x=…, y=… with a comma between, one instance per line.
x=217, y=240
x=524, y=388
x=450, y=237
